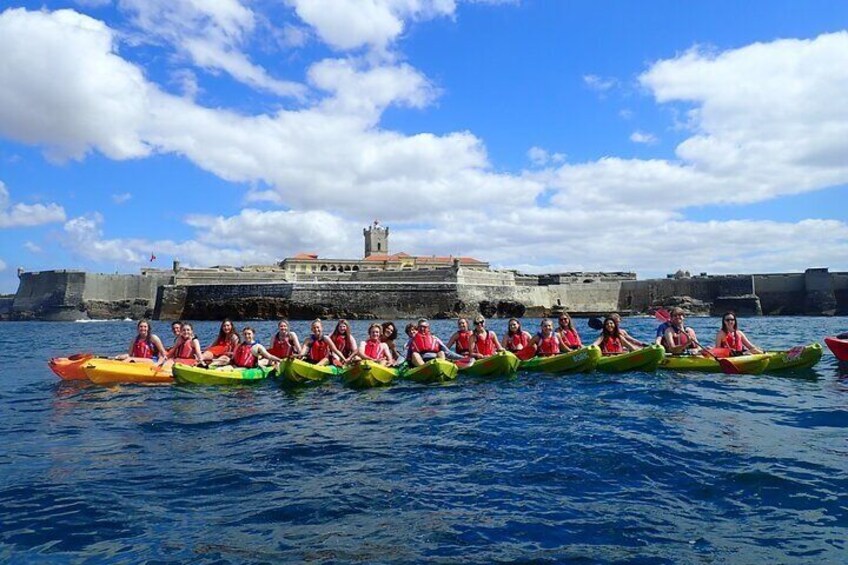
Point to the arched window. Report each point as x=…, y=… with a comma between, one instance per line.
x=323, y=268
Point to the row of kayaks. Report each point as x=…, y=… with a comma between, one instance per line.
x=367, y=374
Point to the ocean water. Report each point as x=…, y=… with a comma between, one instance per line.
x=629, y=468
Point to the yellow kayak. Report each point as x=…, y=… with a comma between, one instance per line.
x=187, y=374
x=502, y=363
x=744, y=364
x=368, y=374
x=645, y=359
x=797, y=358
x=433, y=371
x=110, y=371
x=296, y=372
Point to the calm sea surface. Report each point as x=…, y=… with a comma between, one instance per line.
x=631, y=468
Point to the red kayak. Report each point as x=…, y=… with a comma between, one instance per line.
x=838, y=346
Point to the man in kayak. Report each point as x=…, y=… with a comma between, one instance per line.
x=677, y=338
x=461, y=338
x=425, y=346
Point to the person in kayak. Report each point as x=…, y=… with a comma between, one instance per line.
x=483, y=342
x=374, y=348
x=284, y=344
x=679, y=339
x=146, y=345
x=221, y=350
x=176, y=330
x=611, y=342
x=425, y=346
x=546, y=342
x=732, y=338
x=389, y=336
x=187, y=350
x=344, y=342
x=625, y=335
x=516, y=339
x=249, y=354
x=411, y=330
x=461, y=338
x=318, y=348
x=568, y=336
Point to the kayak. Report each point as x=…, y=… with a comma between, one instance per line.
x=500, y=364
x=744, y=364
x=368, y=374
x=70, y=368
x=227, y=375
x=110, y=371
x=645, y=359
x=838, y=346
x=433, y=371
x=296, y=372
x=800, y=357
x=583, y=359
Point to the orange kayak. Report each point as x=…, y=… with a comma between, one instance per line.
x=70, y=368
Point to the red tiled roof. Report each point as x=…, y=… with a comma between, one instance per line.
x=306, y=256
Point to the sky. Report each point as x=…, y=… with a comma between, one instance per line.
x=538, y=135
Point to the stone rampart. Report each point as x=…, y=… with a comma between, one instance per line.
x=640, y=296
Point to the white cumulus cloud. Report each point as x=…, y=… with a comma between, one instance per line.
x=27, y=215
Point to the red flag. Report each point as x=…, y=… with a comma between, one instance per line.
x=152, y=257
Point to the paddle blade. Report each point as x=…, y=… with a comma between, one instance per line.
x=464, y=363
x=727, y=367
x=662, y=315
x=596, y=323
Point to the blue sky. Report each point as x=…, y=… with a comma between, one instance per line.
x=544, y=136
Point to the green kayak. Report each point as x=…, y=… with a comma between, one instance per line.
x=502, y=363
x=433, y=371
x=744, y=364
x=368, y=374
x=583, y=359
x=801, y=357
x=296, y=372
x=186, y=374
x=645, y=359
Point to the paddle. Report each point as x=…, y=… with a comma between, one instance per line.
x=596, y=323
x=727, y=366
x=662, y=315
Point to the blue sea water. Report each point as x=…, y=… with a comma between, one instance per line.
x=629, y=468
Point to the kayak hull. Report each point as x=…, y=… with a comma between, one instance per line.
x=70, y=368
x=296, y=372
x=110, y=371
x=646, y=359
x=797, y=358
x=502, y=363
x=368, y=374
x=433, y=371
x=187, y=374
x=745, y=364
x=839, y=347
x=583, y=359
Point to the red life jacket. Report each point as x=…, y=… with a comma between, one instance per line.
x=374, y=349
x=185, y=350
x=486, y=345
x=342, y=342
x=462, y=339
x=733, y=341
x=517, y=339
x=611, y=345
x=570, y=337
x=679, y=337
x=548, y=345
x=318, y=349
x=143, y=348
x=281, y=347
x=243, y=356
x=425, y=343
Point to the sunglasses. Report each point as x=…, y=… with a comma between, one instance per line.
x=480, y=323
x=730, y=319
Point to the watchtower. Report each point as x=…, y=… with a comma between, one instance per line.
x=376, y=239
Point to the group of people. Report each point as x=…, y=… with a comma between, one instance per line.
x=340, y=348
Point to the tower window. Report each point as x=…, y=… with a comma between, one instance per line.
x=379, y=247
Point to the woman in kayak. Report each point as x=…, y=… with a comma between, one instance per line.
x=546, y=342
x=318, y=348
x=424, y=345
x=516, y=339
x=625, y=335
x=187, y=351
x=677, y=338
x=389, y=336
x=568, y=336
x=483, y=343
x=224, y=345
x=145, y=345
x=344, y=341
x=732, y=338
x=374, y=348
x=611, y=341
x=461, y=338
x=284, y=343
x=248, y=353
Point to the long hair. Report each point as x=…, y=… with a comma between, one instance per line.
x=509, y=332
x=222, y=337
x=735, y=321
x=394, y=333
x=614, y=333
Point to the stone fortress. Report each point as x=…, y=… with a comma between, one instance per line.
x=399, y=286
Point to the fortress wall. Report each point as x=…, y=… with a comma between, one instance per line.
x=587, y=298
x=380, y=300
x=840, y=292
x=122, y=287
x=191, y=277
x=781, y=293
x=641, y=295
x=430, y=275
x=50, y=295
x=491, y=278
